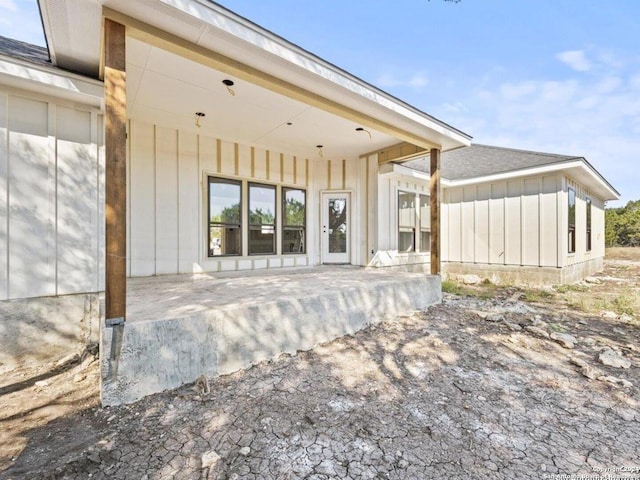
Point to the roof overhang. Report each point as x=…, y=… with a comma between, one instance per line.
x=51, y=81
x=210, y=35
x=395, y=170
x=578, y=169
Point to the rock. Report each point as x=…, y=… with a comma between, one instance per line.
x=94, y=457
x=495, y=317
x=470, y=279
x=538, y=322
x=564, y=339
x=626, y=318
x=612, y=359
x=245, y=451
x=514, y=327
x=515, y=297
x=578, y=362
x=608, y=314
x=210, y=459
x=538, y=332
x=593, y=280
x=590, y=372
x=78, y=377
x=616, y=381
x=481, y=398
x=42, y=383
x=64, y=361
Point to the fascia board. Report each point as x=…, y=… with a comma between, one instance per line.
x=69, y=86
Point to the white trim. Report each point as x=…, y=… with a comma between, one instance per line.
x=51, y=81
x=389, y=169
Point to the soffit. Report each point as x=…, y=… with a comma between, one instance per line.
x=73, y=29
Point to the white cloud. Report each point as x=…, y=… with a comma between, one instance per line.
x=576, y=59
x=8, y=5
x=595, y=116
x=416, y=81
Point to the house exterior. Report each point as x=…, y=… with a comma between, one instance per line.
x=520, y=216
x=175, y=137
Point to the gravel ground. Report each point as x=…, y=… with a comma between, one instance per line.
x=480, y=386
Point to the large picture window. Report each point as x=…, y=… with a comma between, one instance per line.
x=572, y=220
x=225, y=224
x=294, y=215
x=406, y=221
x=588, y=224
x=262, y=219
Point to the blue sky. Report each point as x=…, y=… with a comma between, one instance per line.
x=560, y=76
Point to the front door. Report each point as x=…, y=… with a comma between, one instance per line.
x=336, y=228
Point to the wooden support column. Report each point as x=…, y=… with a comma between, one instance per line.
x=434, y=202
x=115, y=173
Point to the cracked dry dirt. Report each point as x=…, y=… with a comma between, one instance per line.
x=463, y=390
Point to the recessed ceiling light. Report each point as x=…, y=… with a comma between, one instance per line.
x=289, y=123
x=229, y=83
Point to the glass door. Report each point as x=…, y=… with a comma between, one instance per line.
x=335, y=228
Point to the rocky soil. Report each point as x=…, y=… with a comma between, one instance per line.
x=495, y=383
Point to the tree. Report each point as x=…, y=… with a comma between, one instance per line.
x=622, y=225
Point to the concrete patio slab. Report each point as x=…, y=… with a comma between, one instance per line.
x=183, y=326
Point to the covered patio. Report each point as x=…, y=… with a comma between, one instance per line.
x=183, y=326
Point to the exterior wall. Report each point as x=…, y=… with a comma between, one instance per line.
x=513, y=222
x=51, y=227
x=581, y=254
x=168, y=172
x=502, y=230
x=384, y=244
x=51, y=203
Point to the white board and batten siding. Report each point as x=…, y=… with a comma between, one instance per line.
x=167, y=191
x=51, y=202
x=597, y=224
x=512, y=222
x=519, y=222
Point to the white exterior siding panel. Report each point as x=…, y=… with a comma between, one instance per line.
x=467, y=231
x=166, y=200
x=77, y=191
x=142, y=200
x=32, y=213
x=513, y=223
x=497, y=223
x=549, y=241
x=4, y=196
x=189, y=194
x=481, y=222
x=531, y=222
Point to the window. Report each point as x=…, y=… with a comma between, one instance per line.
x=425, y=224
x=262, y=219
x=293, y=220
x=406, y=221
x=225, y=224
x=572, y=220
x=588, y=224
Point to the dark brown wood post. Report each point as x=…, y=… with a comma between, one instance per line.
x=434, y=202
x=115, y=172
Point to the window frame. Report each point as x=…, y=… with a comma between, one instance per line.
x=588, y=219
x=275, y=218
x=285, y=226
x=571, y=230
x=239, y=225
x=426, y=229
x=405, y=229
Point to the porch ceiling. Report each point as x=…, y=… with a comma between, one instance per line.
x=180, y=50
x=167, y=89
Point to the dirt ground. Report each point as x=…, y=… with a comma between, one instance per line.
x=495, y=383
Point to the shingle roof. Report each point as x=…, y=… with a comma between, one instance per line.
x=24, y=51
x=482, y=160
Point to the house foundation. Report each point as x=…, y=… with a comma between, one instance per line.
x=180, y=327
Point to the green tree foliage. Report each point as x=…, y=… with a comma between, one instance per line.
x=622, y=225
